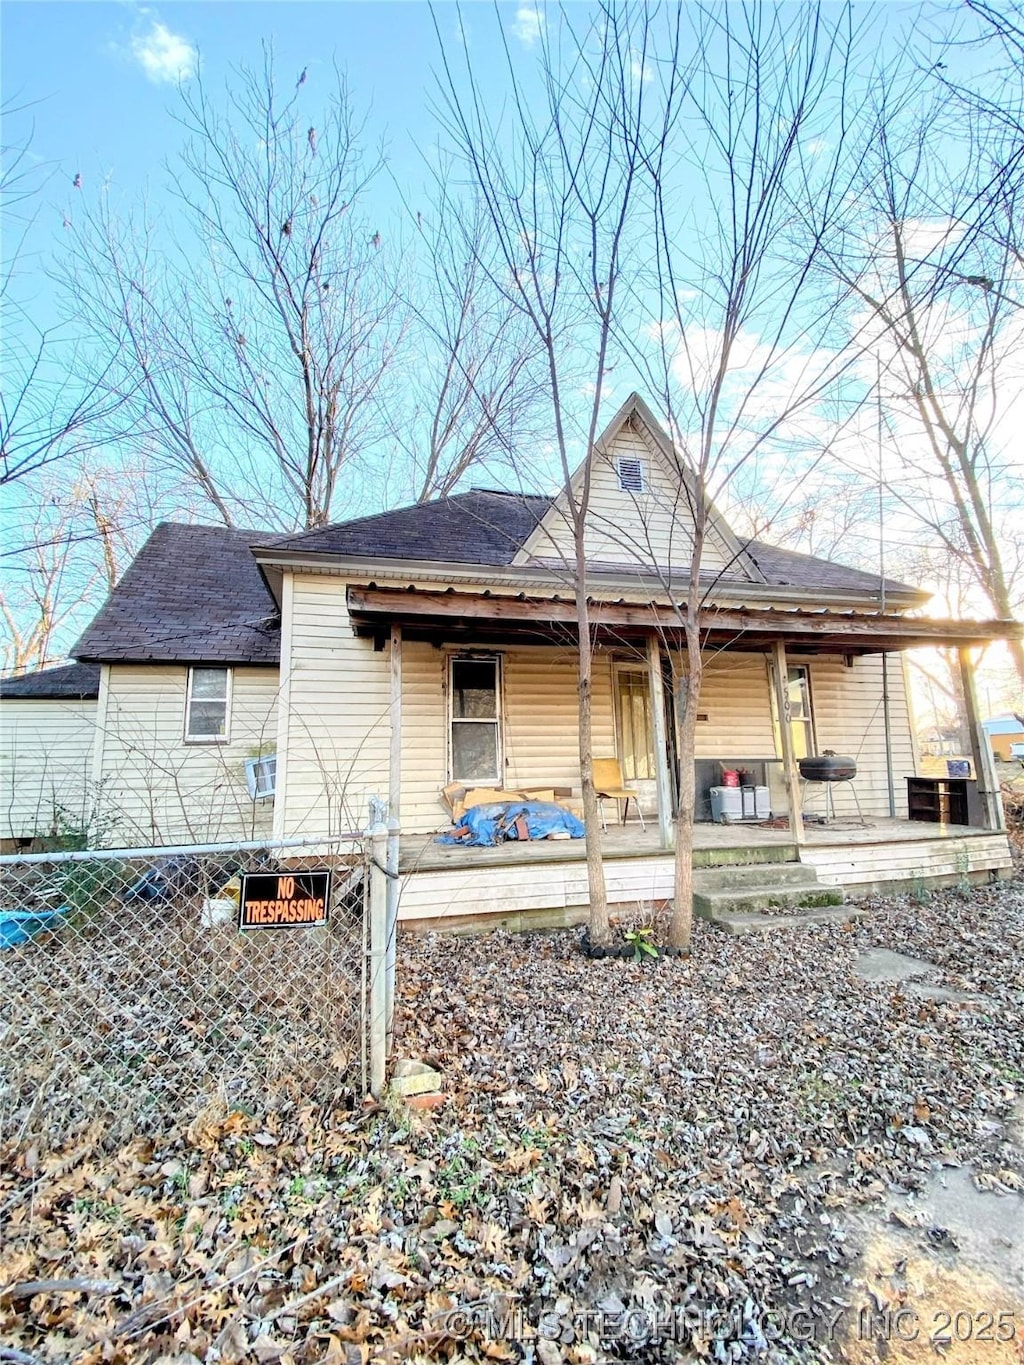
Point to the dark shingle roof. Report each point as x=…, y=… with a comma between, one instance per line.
x=789, y=568
x=485, y=527
x=69, y=682
x=193, y=594
x=480, y=527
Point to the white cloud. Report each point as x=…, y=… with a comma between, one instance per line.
x=528, y=23
x=165, y=57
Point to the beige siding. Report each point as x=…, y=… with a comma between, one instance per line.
x=861, y=868
x=334, y=713
x=540, y=732
x=436, y=895
x=849, y=718
x=425, y=745
x=153, y=787
x=45, y=766
x=335, y=705
x=735, y=699
x=654, y=527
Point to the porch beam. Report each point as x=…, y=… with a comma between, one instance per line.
x=666, y=827
x=989, y=796
x=838, y=631
x=789, y=768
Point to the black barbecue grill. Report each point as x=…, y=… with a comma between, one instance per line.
x=830, y=768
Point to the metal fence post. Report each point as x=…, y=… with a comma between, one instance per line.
x=392, y=928
x=378, y=957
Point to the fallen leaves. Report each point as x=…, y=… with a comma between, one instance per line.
x=619, y=1138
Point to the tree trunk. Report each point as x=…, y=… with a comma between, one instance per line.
x=681, y=926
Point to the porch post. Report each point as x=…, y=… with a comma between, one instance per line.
x=796, y=818
x=661, y=774
x=989, y=796
x=394, y=826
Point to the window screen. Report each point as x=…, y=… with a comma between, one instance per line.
x=475, y=721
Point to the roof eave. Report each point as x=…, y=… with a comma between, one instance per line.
x=731, y=589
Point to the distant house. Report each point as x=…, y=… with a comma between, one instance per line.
x=1003, y=733
x=254, y=685
x=938, y=741
x=47, y=738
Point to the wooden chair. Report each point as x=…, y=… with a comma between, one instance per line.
x=609, y=786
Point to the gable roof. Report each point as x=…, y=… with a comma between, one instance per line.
x=673, y=516
x=490, y=528
x=479, y=527
x=193, y=594
x=68, y=682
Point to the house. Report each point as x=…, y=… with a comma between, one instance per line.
x=47, y=737
x=255, y=685
x=187, y=650
x=1003, y=733
x=437, y=644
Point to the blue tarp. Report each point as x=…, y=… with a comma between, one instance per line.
x=493, y=824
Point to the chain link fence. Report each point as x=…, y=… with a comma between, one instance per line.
x=129, y=994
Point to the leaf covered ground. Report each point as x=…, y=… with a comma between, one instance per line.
x=634, y=1162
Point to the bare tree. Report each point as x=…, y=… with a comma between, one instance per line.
x=561, y=189
x=744, y=337
x=81, y=534
x=47, y=412
x=254, y=353
x=933, y=288
x=471, y=368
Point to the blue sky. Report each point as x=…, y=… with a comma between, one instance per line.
x=95, y=82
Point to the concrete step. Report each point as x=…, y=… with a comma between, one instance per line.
x=758, y=854
x=812, y=896
x=753, y=923
x=754, y=876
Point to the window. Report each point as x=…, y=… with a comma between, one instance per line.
x=631, y=474
x=261, y=777
x=635, y=726
x=475, y=721
x=801, y=723
x=207, y=704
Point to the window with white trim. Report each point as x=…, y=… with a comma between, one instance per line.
x=207, y=706
x=474, y=691
x=261, y=777
x=631, y=473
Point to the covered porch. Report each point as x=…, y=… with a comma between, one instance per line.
x=768, y=670
x=543, y=884
x=769, y=715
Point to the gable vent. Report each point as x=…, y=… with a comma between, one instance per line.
x=631, y=474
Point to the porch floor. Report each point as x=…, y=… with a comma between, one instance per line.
x=421, y=852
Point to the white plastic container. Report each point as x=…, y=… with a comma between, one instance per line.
x=756, y=805
x=726, y=805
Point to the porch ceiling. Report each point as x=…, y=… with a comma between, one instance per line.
x=451, y=616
